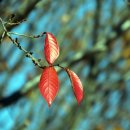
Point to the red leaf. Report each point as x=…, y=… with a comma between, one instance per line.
x=76, y=84
x=49, y=84
x=51, y=48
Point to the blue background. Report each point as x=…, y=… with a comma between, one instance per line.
x=82, y=28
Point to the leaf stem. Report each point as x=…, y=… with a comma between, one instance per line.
x=60, y=66
x=24, y=35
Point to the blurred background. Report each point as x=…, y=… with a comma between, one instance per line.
x=94, y=40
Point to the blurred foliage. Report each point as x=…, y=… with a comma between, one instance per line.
x=94, y=38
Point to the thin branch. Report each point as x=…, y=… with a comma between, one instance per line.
x=2, y=37
x=27, y=8
x=28, y=54
x=14, y=23
x=3, y=25
x=28, y=36
x=16, y=43
x=59, y=66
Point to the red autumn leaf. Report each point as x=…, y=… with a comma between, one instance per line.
x=51, y=48
x=76, y=84
x=49, y=84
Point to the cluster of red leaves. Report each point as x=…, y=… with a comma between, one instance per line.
x=49, y=83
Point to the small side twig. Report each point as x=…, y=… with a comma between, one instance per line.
x=2, y=37
x=16, y=43
x=58, y=65
x=26, y=35
x=28, y=54
x=14, y=23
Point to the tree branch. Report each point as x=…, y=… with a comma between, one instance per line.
x=17, y=44
x=27, y=9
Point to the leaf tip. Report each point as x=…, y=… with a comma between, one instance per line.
x=49, y=103
x=80, y=100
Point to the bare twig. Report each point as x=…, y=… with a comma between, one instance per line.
x=2, y=37
x=16, y=43
x=14, y=23
x=26, y=35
